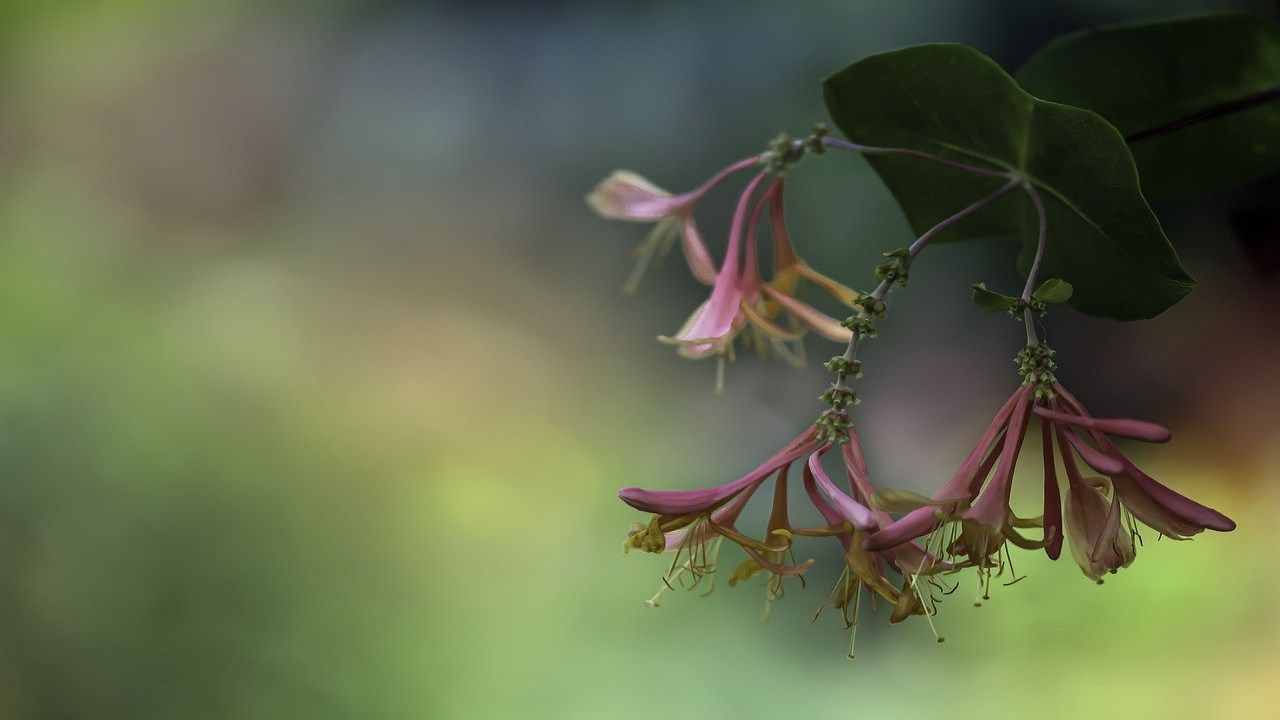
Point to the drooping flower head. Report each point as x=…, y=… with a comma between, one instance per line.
x=740, y=299
x=624, y=195
x=970, y=515
x=692, y=524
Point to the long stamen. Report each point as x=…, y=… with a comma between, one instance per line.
x=928, y=611
x=844, y=578
x=1012, y=571
x=666, y=584
x=853, y=627
x=711, y=564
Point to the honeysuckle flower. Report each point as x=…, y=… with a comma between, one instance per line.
x=711, y=328
x=692, y=524
x=970, y=515
x=788, y=273
x=740, y=299
x=685, y=518
x=1149, y=501
x=624, y=195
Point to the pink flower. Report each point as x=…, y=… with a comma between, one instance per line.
x=740, y=299
x=713, y=326
x=693, y=523
x=1100, y=512
x=625, y=195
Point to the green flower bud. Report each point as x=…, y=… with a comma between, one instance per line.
x=861, y=325
x=839, y=397
x=847, y=368
x=870, y=304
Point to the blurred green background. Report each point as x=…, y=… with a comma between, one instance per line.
x=316, y=383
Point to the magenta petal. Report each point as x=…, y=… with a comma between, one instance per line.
x=1160, y=497
x=829, y=514
x=699, y=192
x=992, y=506
x=715, y=321
x=678, y=502
x=1052, y=498
x=1122, y=427
x=964, y=476
x=625, y=195
x=724, y=516
x=1104, y=464
x=1182, y=505
x=917, y=523
x=849, y=509
x=695, y=252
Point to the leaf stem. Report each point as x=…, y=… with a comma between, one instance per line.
x=1034, y=272
x=871, y=150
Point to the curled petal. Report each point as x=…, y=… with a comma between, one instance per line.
x=1122, y=427
x=768, y=327
x=1180, y=504
x=703, y=532
x=624, y=195
x=1103, y=463
x=902, y=501
x=1026, y=543
x=828, y=513
x=849, y=509
x=711, y=326
x=821, y=323
x=914, y=524
x=695, y=251
x=677, y=502
x=835, y=288
x=1153, y=503
x=716, y=321
x=745, y=542
x=1153, y=514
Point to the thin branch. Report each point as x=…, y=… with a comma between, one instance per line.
x=1228, y=108
x=851, y=352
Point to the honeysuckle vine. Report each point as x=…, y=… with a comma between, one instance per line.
x=900, y=547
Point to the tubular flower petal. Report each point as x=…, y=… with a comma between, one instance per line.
x=715, y=323
x=740, y=299
x=624, y=195
x=970, y=514
x=691, y=525
x=849, y=509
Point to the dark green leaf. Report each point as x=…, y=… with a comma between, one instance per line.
x=1053, y=291
x=1150, y=75
x=952, y=101
x=992, y=301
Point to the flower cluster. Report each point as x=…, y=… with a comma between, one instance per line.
x=897, y=546
x=740, y=299
x=692, y=525
x=970, y=515
x=967, y=523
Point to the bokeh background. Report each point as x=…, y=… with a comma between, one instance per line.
x=316, y=383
